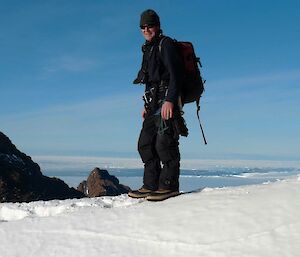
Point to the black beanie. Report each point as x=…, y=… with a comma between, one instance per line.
x=149, y=17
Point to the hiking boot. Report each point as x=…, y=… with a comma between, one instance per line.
x=162, y=194
x=140, y=193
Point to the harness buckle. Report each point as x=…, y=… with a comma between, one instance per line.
x=148, y=96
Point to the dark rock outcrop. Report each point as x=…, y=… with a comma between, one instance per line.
x=21, y=179
x=100, y=183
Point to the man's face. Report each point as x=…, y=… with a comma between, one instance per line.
x=149, y=31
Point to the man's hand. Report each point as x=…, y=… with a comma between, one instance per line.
x=167, y=110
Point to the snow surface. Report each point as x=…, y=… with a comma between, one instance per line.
x=254, y=221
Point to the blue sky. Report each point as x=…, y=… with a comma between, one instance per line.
x=66, y=72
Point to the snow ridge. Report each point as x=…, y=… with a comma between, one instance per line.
x=248, y=221
x=19, y=211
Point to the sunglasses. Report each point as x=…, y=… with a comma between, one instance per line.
x=147, y=26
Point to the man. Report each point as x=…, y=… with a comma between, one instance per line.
x=158, y=140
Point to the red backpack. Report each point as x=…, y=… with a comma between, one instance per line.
x=193, y=83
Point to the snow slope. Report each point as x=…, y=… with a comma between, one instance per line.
x=254, y=221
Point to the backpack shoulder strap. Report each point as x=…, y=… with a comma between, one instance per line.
x=161, y=42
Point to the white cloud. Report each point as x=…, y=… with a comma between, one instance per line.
x=86, y=163
x=267, y=79
x=107, y=124
x=69, y=63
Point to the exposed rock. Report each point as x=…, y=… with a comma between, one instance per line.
x=21, y=179
x=100, y=183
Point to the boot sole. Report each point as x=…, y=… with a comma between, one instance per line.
x=162, y=197
x=138, y=196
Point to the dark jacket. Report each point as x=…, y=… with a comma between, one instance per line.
x=164, y=65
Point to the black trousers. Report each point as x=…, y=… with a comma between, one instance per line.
x=159, y=148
